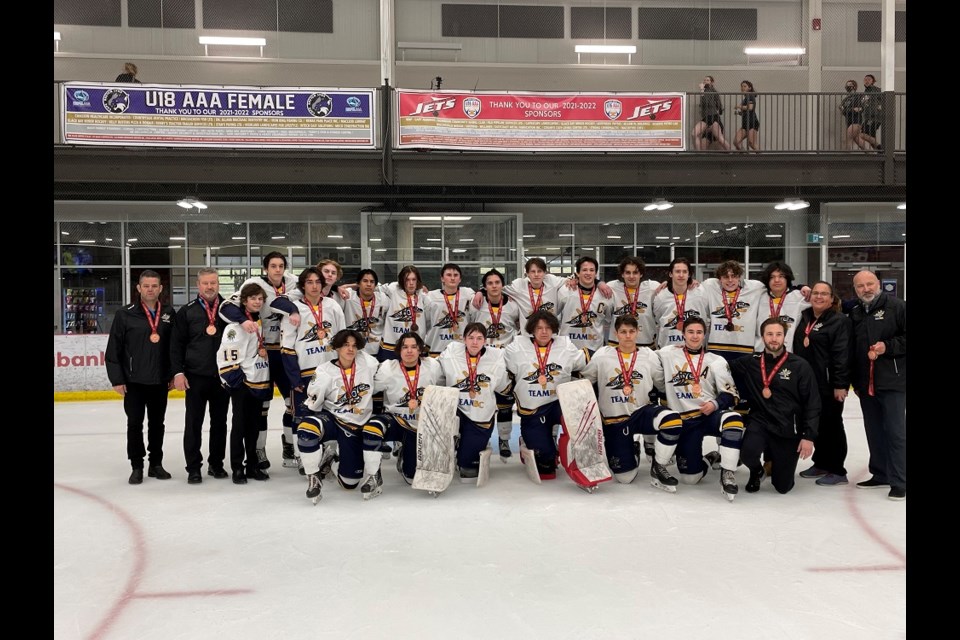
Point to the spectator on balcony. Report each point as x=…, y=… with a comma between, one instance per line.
x=872, y=112
x=749, y=122
x=129, y=73
x=852, y=109
x=710, y=127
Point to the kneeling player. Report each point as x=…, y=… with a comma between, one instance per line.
x=403, y=382
x=700, y=388
x=342, y=393
x=625, y=376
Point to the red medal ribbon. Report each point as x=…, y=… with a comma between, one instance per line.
x=455, y=310
x=412, y=303
x=627, y=373
x=730, y=308
x=695, y=370
x=211, y=311
x=416, y=380
x=636, y=297
x=472, y=371
x=535, y=306
x=279, y=290
x=775, y=313
x=584, y=310
x=807, y=329
x=763, y=368
x=316, y=316
x=681, y=306
x=363, y=309
x=153, y=317
x=348, y=385
x=259, y=329
x=495, y=317
x=542, y=361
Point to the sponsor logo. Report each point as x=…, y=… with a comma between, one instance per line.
x=116, y=101
x=651, y=109
x=81, y=98
x=471, y=107
x=319, y=105
x=434, y=106
x=89, y=360
x=613, y=109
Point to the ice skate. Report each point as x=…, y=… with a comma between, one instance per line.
x=661, y=478
x=372, y=486
x=712, y=459
x=262, y=462
x=314, y=484
x=504, y=450
x=289, y=455
x=728, y=484
x=327, y=459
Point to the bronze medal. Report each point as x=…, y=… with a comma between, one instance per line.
x=321, y=334
x=806, y=342
x=728, y=326
x=680, y=326
x=412, y=405
x=473, y=394
x=542, y=379
x=154, y=338
x=414, y=327
x=262, y=353
x=766, y=392
x=211, y=330
x=871, y=354
x=696, y=389
x=627, y=389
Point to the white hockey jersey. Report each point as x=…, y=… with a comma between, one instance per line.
x=507, y=327
x=269, y=315
x=446, y=316
x=521, y=359
x=791, y=305
x=366, y=317
x=301, y=348
x=239, y=362
x=491, y=376
x=402, y=313
x=605, y=371
x=715, y=378
x=666, y=310
x=637, y=303
x=526, y=296
x=390, y=379
x=327, y=390
x=743, y=312
x=582, y=319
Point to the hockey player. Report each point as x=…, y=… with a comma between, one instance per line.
x=447, y=310
x=626, y=375
x=365, y=309
x=275, y=282
x=539, y=363
x=306, y=345
x=584, y=316
x=402, y=383
x=537, y=290
x=406, y=308
x=331, y=271
x=477, y=371
x=244, y=367
x=784, y=408
x=631, y=297
x=780, y=300
x=340, y=395
x=732, y=306
x=699, y=387
x=676, y=302
x=500, y=314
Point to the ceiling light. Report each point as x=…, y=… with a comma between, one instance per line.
x=774, y=235
x=613, y=237
x=842, y=235
x=239, y=238
x=191, y=203
x=86, y=241
x=792, y=204
x=902, y=205
x=131, y=239
x=56, y=35
x=445, y=218
x=774, y=51
x=338, y=237
x=243, y=42
x=605, y=48
x=278, y=237
x=529, y=235
x=658, y=204
x=714, y=231
x=178, y=237
x=374, y=239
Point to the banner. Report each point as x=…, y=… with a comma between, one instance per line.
x=204, y=116
x=78, y=363
x=522, y=121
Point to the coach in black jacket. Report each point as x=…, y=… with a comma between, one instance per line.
x=784, y=408
x=138, y=365
x=880, y=340
x=197, y=330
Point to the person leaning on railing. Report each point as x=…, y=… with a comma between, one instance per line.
x=852, y=109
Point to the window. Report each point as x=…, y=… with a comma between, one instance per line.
x=600, y=22
x=869, y=24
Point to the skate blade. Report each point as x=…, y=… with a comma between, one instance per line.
x=385, y=455
x=434, y=494
x=317, y=499
x=665, y=487
x=371, y=495
x=290, y=463
x=728, y=496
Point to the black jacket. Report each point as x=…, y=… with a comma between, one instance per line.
x=887, y=322
x=130, y=356
x=794, y=408
x=192, y=351
x=829, y=350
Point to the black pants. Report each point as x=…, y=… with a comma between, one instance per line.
x=781, y=451
x=204, y=390
x=885, y=421
x=830, y=450
x=149, y=400
x=244, y=428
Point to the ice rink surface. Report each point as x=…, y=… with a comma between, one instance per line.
x=166, y=560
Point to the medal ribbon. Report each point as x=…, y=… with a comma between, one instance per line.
x=807, y=329
x=259, y=329
x=627, y=372
x=633, y=302
x=680, y=305
x=775, y=313
x=695, y=371
x=453, y=311
x=585, y=309
x=495, y=317
x=535, y=306
x=280, y=290
x=153, y=317
x=316, y=316
x=542, y=361
x=416, y=380
x=348, y=385
x=730, y=308
x=412, y=303
x=472, y=371
x=763, y=368
x=363, y=310
x=211, y=311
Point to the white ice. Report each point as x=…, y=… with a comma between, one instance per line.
x=166, y=560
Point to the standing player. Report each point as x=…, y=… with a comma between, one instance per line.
x=244, y=368
x=500, y=314
x=275, y=282
x=402, y=383
x=538, y=364
x=584, y=316
x=677, y=302
x=537, y=290
x=447, y=310
x=780, y=300
x=306, y=344
x=631, y=297
x=626, y=375
x=477, y=371
x=365, y=309
x=341, y=395
x=732, y=306
x=700, y=388
x=406, y=308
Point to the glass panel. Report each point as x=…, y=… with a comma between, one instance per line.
x=289, y=238
x=551, y=241
x=226, y=242
x=721, y=241
x=90, y=243
x=156, y=243
x=339, y=241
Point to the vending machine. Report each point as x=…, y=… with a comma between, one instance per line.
x=83, y=310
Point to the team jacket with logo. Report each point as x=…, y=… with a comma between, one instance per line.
x=506, y=329
x=130, y=356
x=240, y=364
x=439, y=325
x=399, y=315
x=371, y=324
x=520, y=291
x=793, y=305
x=271, y=314
x=587, y=329
x=793, y=409
x=744, y=335
x=192, y=350
x=491, y=377
x=829, y=351
x=605, y=371
x=301, y=349
x=396, y=394
x=521, y=360
x=885, y=321
x=715, y=381
x=666, y=306
x=328, y=391
x=622, y=300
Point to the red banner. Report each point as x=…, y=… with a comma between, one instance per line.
x=540, y=121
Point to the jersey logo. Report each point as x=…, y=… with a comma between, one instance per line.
x=616, y=382
x=446, y=321
x=721, y=312
x=311, y=334
x=672, y=324
x=584, y=320
x=625, y=309
x=494, y=330
x=482, y=382
x=405, y=315
x=363, y=325
x=274, y=316
x=546, y=306
x=684, y=378
x=356, y=396
x=553, y=370
x=402, y=402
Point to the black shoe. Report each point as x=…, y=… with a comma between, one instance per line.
x=239, y=477
x=756, y=477
x=257, y=474
x=136, y=476
x=158, y=472
x=194, y=477
x=897, y=493
x=872, y=483
x=217, y=472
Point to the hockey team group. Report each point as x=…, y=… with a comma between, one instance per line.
x=601, y=375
